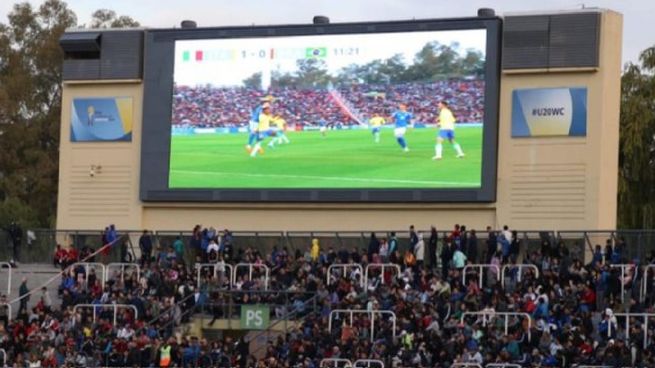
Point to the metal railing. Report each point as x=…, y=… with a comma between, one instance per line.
x=624, y=268
x=334, y=362
x=123, y=266
x=520, y=272
x=382, y=267
x=368, y=363
x=580, y=243
x=7, y=265
x=9, y=310
x=228, y=304
x=87, y=267
x=370, y=313
x=507, y=315
x=251, y=267
x=215, y=266
x=644, y=281
x=4, y=357
x=627, y=317
x=480, y=267
x=345, y=267
x=115, y=307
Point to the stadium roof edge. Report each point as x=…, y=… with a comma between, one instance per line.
x=556, y=12
x=289, y=25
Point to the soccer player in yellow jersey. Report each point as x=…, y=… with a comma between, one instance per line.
x=263, y=129
x=376, y=123
x=446, y=124
x=280, y=128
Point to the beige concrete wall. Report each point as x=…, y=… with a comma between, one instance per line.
x=111, y=195
x=564, y=183
x=553, y=183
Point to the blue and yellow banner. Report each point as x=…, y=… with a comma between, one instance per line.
x=542, y=112
x=101, y=119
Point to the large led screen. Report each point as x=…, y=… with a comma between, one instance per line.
x=333, y=111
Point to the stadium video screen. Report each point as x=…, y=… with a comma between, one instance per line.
x=380, y=110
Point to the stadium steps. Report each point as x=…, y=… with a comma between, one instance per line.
x=37, y=274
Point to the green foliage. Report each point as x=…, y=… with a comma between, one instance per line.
x=30, y=107
x=433, y=62
x=254, y=81
x=637, y=144
x=105, y=18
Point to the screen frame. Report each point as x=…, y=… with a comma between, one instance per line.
x=158, y=98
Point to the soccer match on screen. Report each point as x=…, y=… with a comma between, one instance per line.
x=383, y=110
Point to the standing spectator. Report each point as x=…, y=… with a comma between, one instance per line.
x=393, y=243
x=145, y=244
x=432, y=247
x=373, y=246
x=24, y=295
x=419, y=250
x=472, y=247
x=413, y=238
x=492, y=243
x=178, y=245
x=515, y=246
x=507, y=233
x=384, y=250
x=446, y=258
x=315, y=251
x=16, y=235
x=4, y=311
x=459, y=259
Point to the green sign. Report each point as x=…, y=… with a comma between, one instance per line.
x=254, y=317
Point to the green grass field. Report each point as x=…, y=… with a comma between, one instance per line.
x=343, y=159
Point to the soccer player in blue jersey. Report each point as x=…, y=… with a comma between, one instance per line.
x=253, y=124
x=322, y=127
x=402, y=119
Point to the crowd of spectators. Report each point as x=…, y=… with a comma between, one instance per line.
x=207, y=106
x=572, y=305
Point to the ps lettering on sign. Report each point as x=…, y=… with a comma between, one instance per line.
x=254, y=317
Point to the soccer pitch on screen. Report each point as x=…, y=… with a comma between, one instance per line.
x=340, y=159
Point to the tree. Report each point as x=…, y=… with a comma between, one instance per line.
x=105, y=18
x=637, y=144
x=30, y=107
x=30, y=101
x=254, y=81
x=312, y=72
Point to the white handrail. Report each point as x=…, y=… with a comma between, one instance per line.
x=114, y=306
x=644, y=281
x=251, y=267
x=366, y=363
x=87, y=267
x=627, y=316
x=345, y=267
x=624, y=267
x=480, y=267
x=382, y=267
x=200, y=266
x=4, y=357
x=335, y=362
x=9, y=311
x=123, y=266
x=502, y=314
x=520, y=267
x=371, y=313
x=9, y=268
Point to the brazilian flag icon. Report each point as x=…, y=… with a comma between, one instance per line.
x=315, y=52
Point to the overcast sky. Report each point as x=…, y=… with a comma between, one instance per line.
x=637, y=34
